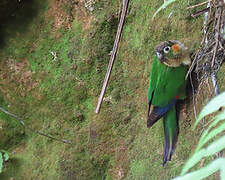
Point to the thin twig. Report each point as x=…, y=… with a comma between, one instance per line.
x=198, y=13
x=207, y=82
x=211, y=51
x=199, y=88
x=32, y=130
x=193, y=96
x=192, y=65
x=200, y=4
x=113, y=55
x=206, y=18
x=217, y=37
x=214, y=81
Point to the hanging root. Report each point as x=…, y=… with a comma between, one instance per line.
x=209, y=58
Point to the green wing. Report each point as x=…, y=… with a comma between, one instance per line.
x=156, y=69
x=165, y=83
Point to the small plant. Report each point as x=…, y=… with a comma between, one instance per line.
x=165, y=4
x=4, y=156
x=213, y=134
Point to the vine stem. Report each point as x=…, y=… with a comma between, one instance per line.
x=32, y=130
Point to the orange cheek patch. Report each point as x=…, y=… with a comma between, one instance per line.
x=176, y=48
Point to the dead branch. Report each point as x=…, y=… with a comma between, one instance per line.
x=197, y=5
x=198, y=13
x=113, y=55
x=217, y=35
x=209, y=58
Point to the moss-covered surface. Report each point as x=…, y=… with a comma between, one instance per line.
x=58, y=94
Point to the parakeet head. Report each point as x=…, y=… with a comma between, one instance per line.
x=172, y=53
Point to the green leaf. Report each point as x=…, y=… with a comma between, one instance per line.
x=216, y=146
x=213, y=148
x=222, y=172
x=211, y=107
x=1, y=162
x=211, y=132
x=204, y=172
x=193, y=160
x=211, y=135
x=217, y=119
x=6, y=156
x=163, y=6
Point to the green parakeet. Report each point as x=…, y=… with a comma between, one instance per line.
x=167, y=85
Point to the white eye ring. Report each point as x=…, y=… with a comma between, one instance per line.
x=166, y=49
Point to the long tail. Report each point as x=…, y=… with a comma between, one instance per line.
x=171, y=131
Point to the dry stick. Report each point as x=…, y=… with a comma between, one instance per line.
x=213, y=75
x=113, y=55
x=217, y=36
x=200, y=4
x=205, y=10
x=198, y=13
x=32, y=130
x=192, y=65
x=214, y=81
x=193, y=97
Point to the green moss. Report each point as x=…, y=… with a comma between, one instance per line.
x=62, y=105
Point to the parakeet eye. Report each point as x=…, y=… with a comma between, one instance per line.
x=166, y=49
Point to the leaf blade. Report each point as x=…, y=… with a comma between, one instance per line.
x=204, y=172
x=213, y=148
x=6, y=156
x=211, y=135
x=162, y=7
x=1, y=162
x=212, y=106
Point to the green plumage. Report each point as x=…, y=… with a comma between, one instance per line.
x=167, y=84
x=171, y=131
